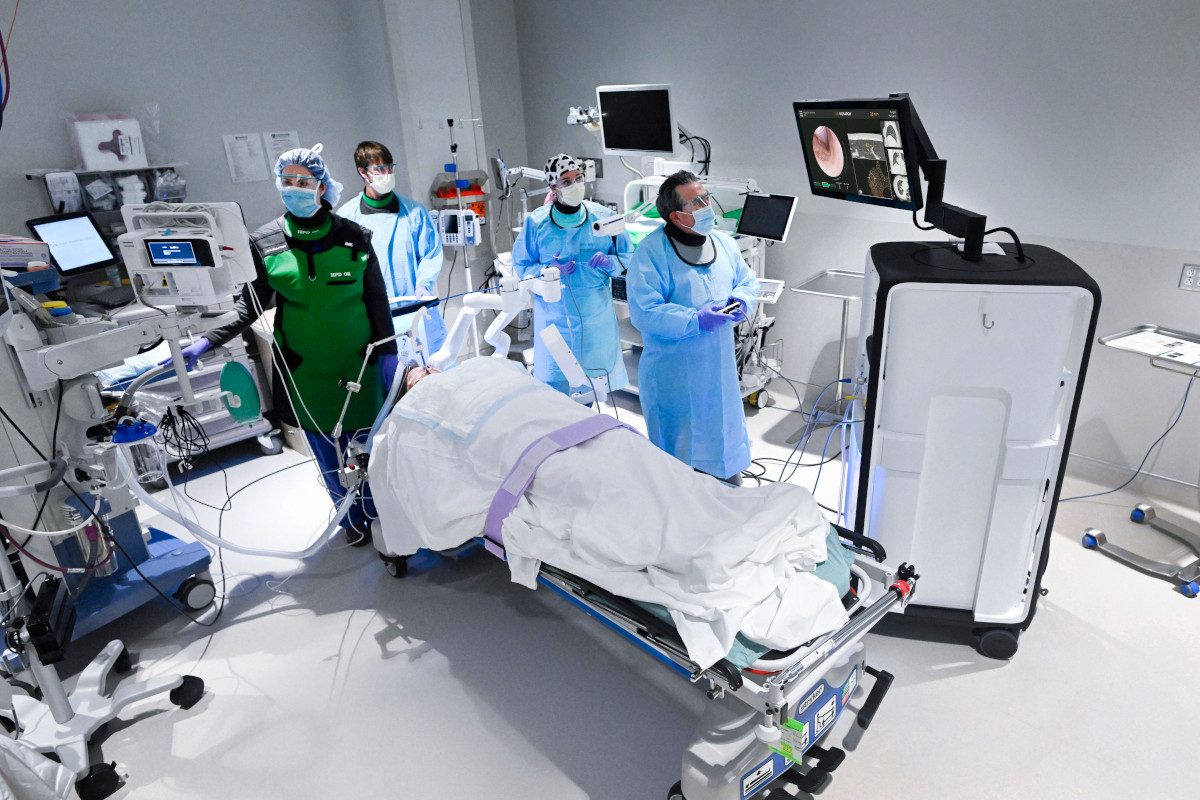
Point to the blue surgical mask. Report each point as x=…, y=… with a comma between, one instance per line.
x=704, y=220
x=302, y=203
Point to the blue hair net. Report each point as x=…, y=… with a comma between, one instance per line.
x=311, y=160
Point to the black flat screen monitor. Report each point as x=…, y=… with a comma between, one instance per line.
x=767, y=216
x=636, y=119
x=860, y=150
x=76, y=246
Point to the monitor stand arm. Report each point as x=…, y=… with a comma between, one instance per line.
x=953, y=220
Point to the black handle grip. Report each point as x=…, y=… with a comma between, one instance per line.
x=866, y=543
x=883, y=682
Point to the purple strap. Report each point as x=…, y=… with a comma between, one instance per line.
x=522, y=474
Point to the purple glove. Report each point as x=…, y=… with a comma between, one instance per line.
x=423, y=292
x=711, y=317
x=192, y=352
x=601, y=261
x=739, y=313
x=387, y=368
x=567, y=267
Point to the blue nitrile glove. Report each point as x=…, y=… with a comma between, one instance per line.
x=711, y=317
x=739, y=313
x=601, y=261
x=567, y=267
x=192, y=352
x=387, y=369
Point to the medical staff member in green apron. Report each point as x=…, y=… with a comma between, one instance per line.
x=320, y=273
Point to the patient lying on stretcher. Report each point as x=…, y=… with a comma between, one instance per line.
x=613, y=510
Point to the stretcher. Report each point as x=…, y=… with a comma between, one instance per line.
x=486, y=453
x=772, y=721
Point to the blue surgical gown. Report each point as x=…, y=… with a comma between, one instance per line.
x=687, y=378
x=584, y=314
x=409, y=249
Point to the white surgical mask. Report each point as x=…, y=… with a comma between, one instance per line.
x=383, y=183
x=573, y=194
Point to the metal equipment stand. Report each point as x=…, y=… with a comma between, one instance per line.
x=62, y=723
x=1178, y=352
x=844, y=286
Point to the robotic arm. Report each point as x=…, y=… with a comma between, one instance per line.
x=515, y=296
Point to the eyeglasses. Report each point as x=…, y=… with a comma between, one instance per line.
x=381, y=169
x=302, y=181
x=698, y=202
x=565, y=182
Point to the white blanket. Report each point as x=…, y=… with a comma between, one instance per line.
x=615, y=510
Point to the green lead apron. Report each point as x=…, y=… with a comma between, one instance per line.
x=322, y=328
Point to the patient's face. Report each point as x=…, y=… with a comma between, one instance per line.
x=416, y=374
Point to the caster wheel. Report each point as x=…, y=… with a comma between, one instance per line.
x=676, y=792
x=1190, y=589
x=396, y=566
x=101, y=781
x=1089, y=541
x=124, y=663
x=196, y=593
x=998, y=643
x=270, y=445
x=762, y=400
x=188, y=693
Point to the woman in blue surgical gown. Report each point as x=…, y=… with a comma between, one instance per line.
x=561, y=235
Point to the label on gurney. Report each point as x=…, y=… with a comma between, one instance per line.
x=794, y=742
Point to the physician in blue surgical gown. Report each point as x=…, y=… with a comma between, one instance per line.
x=680, y=279
x=405, y=240
x=561, y=235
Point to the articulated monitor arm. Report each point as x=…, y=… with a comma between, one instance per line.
x=951, y=219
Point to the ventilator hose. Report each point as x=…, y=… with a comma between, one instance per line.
x=216, y=541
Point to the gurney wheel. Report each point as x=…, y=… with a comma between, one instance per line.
x=676, y=792
x=998, y=643
x=1190, y=589
x=396, y=566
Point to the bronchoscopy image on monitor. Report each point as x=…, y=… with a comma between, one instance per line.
x=828, y=151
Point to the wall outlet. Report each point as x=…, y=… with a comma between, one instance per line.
x=1190, y=278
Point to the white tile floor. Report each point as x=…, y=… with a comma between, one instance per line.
x=332, y=679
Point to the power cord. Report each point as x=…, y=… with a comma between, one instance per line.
x=1150, y=450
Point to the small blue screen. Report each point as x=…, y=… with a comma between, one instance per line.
x=168, y=254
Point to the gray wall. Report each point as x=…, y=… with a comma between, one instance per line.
x=213, y=68
x=503, y=111
x=1069, y=122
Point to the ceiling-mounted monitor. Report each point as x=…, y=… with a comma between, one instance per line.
x=637, y=119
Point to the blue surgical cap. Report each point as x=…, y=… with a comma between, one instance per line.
x=311, y=160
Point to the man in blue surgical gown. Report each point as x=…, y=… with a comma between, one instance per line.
x=405, y=240
x=681, y=279
x=561, y=235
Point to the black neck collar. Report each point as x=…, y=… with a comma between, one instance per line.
x=683, y=237
x=569, y=211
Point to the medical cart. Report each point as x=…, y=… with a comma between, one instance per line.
x=1178, y=352
x=972, y=373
